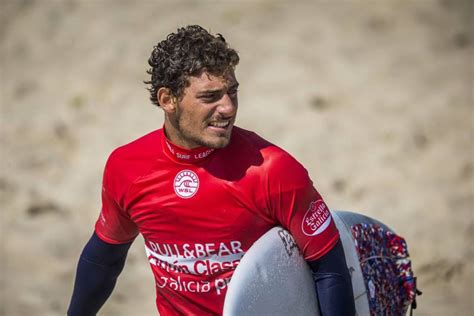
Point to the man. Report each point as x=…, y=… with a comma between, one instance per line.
x=201, y=192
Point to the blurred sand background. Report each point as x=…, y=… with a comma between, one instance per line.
x=373, y=97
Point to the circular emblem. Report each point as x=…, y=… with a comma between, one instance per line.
x=316, y=219
x=186, y=184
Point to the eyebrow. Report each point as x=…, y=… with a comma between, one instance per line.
x=209, y=92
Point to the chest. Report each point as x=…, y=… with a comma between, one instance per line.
x=182, y=205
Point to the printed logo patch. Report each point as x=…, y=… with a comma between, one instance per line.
x=186, y=184
x=288, y=242
x=316, y=219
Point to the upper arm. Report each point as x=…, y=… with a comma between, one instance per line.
x=114, y=224
x=334, y=261
x=297, y=205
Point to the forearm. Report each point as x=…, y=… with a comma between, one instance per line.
x=333, y=283
x=99, y=266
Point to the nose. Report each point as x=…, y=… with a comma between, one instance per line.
x=227, y=105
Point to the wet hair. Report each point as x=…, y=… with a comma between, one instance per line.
x=188, y=52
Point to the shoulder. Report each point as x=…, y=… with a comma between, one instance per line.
x=137, y=151
x=283, y=168
x=277, y=162
x=249, y=138
x=128, y=162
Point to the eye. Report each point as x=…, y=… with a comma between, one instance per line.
x=212, y=97
x=233, y=92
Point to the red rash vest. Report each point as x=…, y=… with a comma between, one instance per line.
x=200, y=210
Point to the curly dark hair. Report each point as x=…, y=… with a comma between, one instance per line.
x=188, y=52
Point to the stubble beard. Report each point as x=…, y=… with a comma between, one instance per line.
x=190, y=137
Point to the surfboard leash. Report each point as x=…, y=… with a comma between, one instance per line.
x=413, y=304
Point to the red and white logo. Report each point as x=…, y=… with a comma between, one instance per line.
x=186, y=184
x=316, y=219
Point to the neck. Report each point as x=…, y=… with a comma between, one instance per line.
x=172, y=134
x=182, y=154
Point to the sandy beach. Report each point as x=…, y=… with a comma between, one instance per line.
x=375, y=98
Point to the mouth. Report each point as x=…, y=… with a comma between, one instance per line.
x=220, y=125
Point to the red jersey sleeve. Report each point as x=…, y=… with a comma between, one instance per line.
x=114, y=224
x=297, y=206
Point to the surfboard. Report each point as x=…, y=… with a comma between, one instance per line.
x=274, y=279
x=344, y=221
x=378, y=260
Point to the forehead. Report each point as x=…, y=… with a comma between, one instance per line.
x=208, y=81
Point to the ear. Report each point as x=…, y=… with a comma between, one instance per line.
x=167, y=100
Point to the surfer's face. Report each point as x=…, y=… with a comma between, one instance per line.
x=205, y=114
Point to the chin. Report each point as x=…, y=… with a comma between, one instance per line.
x=221, y=142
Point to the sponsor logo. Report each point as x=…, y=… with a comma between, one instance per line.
x=316, y=219
x=175, y=266
x=203, y=154
x=288, y=242
x=186, y=184
x=181, y=285
x=198, y=259
x=170, y=148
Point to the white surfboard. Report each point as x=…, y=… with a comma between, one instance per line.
x=274, y=279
